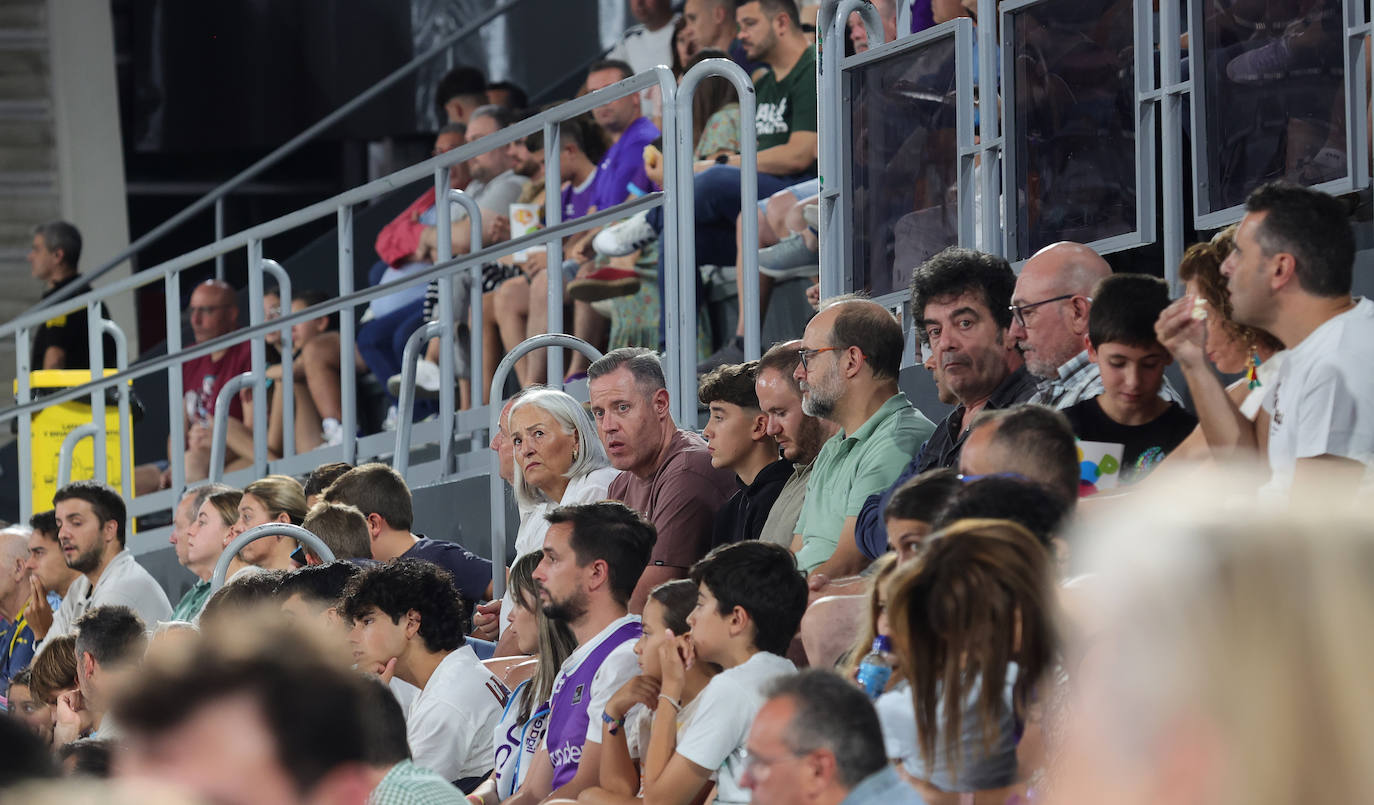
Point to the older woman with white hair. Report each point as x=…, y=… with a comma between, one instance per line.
x=559, y=461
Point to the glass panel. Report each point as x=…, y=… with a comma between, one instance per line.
x=905, y=155
x=1074, y=130
x=1273, y=96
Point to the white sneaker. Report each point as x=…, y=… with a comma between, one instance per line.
x=426, y=381
x=390, y=422
x=333, y=431
x=626, y=237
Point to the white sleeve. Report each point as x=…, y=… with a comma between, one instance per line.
x=618, y=668
x=719, y=725
x=439, y=735
x=897, y=715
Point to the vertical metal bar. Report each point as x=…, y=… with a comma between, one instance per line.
x=903, y=18
x=176, y=401
x=400, y=458
x=553, y=249
x=1011, y=135
x=95, y=341
x=288, y=375
x=219, y=235
x=1356, y=89
x=348, y=322
x=258, y=351
x=677, y=201
x=964, y=134
x=1171, y=118
x=220, y=433
x=68, y=449
x=23, y=344
x=445, y=311
x=126, y=463
x=473, y=276
x=991, y=129
x=1145, y=122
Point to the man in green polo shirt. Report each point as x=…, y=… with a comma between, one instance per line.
x=851, y=354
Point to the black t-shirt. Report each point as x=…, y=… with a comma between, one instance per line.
x=68, y=332
x=1146, y=445
x=744, y=515
x=471, y=573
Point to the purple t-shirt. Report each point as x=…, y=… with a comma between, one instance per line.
x=576, y=202
x=471, y=573
x=623, y=165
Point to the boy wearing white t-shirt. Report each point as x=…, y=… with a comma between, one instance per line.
x=408, y=621
x=1290, y=272
x=750, y=602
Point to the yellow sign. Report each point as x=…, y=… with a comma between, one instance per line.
x=51, y=425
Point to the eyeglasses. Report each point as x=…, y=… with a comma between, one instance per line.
x=206, y=309
x=1019, y=311
x=807, y=354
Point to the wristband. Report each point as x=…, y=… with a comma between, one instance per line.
x=722, y=159
x=670, y=700
x=613, y=725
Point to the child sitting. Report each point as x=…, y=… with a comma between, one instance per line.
x=1129, y=411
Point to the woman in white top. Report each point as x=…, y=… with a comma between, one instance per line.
x=559, y=461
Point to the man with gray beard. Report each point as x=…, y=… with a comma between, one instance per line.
x=850, y=356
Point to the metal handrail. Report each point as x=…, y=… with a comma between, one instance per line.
x=682, y=298
x=256, y=533
x=223, y=400
x=64, y=454
x=444, y=232
x=498, y=382
x=281, y=152
x=400, y=460
x=288, y=374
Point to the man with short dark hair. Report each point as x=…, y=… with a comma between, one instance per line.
x=959, y=302
x=508, y=94
x=110, y=642
x=90, y=518
x=381, y=494
x=818, y=741
x=646, y=45
x=737, y=439
x=1290, y=272
x=850, y=357
x=320, y=478
x=711, y=24
x=409, y=622
x=459, y=93
x=62, y=341
x=799, y=435
x=668, y=477
x=1032, y=441
x=594, y=554
x=265, y=720
x=49, y=576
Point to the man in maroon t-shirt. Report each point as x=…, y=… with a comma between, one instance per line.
x=214, y=312
x=668, y=477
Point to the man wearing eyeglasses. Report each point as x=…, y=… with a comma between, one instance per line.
x=214, y=312
x=850, y=356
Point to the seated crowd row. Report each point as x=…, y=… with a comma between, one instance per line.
x=666, y=586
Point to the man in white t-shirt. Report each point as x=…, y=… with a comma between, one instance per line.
x=750, y=600
x=594, y=554
x=1290, y=272
x=646, y=45
x=90, y=523
x=409, y=622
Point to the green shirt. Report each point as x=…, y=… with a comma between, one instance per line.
x=190, y=605
x=850, y=468
x=408, y=784
x=782, y=107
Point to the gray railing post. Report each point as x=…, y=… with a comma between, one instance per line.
x=64, y=455
x=256, y=533
x=257, y=349
x=830, y=29
x=553, y=252
x=348, y=326
x=288, y=374
x=400, y=461
x=749, y=196
x=96, y=353
x=126, y=482
x=219, y=235
x=23, y=344
x=498, y=381
x=447, y=315
x=176, y=399
x=225, y=398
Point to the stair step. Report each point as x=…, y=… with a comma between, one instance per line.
x=23, y=39
x=22, y=87
x=23, y=14
x=32, y=159
x=25, y=109
x=34, y=208
x=24, y=62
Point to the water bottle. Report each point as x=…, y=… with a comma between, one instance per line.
x=876, y=667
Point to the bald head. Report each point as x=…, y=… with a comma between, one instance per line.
x=14, y=572
x=214, y=310
x=1052, y=333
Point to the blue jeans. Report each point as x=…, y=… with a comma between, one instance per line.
x=382, y=343
x=717, y=205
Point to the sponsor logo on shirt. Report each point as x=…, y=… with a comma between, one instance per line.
x=577, y=694
x=566, y=755
x=771, y=118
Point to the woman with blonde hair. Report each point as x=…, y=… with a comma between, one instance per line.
x=273, y=499
x=1225, y=659
x=211, y=530
x=973, y=625
x=521, y=729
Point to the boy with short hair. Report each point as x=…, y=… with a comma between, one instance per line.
x=408, y=620
x=1122, y=342
x=751, y=597
x=737, y=438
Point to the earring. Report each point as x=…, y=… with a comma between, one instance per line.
x=1252, y=369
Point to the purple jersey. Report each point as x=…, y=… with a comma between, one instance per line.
x=568, y=716
x=623, y=166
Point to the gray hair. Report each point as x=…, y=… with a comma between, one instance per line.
x=61, y=235
x=832, y=714
x=572, y=418
x=642, y=362
x=202, y=493
x=503, y=116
